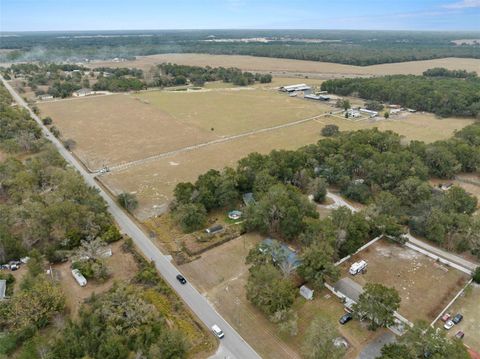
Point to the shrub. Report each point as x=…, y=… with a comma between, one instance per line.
x=476, y=275
x=330, y=130
x=47, y=121
x=128, y=201
x=191, y=217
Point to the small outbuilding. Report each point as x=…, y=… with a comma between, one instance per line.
x=214, y=229
x=3, y=288
x=370, y=113
x=248, y=198
x=235, y=215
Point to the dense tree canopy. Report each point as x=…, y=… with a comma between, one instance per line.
x=377, y=305
x=424, y=341
x=444, y=96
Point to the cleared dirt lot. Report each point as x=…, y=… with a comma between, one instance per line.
x=154, y=181
x=221, y=275
x=265, y=64
x=468, y=305
x=425, y=286
x=121, y=264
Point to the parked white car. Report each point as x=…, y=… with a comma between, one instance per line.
x=449, y=325
x=217, y=331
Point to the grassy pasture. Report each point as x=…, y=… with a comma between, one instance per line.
x=232, y=111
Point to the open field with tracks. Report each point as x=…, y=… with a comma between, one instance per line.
x=275, y=65
x=154, y=180
x=113, y=129
x=152, y=140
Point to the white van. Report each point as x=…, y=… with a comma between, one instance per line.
x=357, y=267
x=217, y=331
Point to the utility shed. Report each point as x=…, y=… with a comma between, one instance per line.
x=3, y=288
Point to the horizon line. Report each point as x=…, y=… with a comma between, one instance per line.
x=238, y=29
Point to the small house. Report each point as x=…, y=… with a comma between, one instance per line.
x=353, y=113
x=45, y=97
x=288, y=253
x=3, y=288
x=83, y=92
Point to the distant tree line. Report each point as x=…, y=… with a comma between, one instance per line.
x=173, y=74
x=444, y=96
x=348, y=47
x=443, y=72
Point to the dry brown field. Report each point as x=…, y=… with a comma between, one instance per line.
x=117, y=128
x=154, y=181
x=221, y=274
x=424, y=286
x=326, y=69
x=113, y=129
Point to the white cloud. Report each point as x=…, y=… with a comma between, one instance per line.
x=464, y=4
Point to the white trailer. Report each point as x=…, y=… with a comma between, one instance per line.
x=82, y=282
x=358, y=267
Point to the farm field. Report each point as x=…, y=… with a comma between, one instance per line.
x=468, y=305
x=113, y=129
x=117, y=128
x=424, y=286
x=275, y=65
x=221, y=275
x=232, y=111
x=154, y=181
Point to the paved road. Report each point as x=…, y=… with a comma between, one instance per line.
x=374, y=348
x=233, y=345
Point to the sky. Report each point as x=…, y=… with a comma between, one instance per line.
x=62, y=15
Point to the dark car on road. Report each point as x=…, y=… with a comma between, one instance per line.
x=457, y=319
x=344, y=319
x=459, y=335
x=181, y=279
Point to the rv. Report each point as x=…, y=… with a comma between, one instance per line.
x=82, y=282
x=358, y=267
